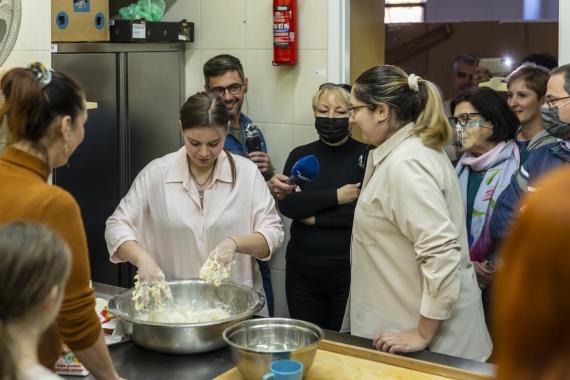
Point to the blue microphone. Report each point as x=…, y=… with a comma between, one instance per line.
x=305, y=169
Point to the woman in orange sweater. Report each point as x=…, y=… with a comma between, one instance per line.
x=45, y=112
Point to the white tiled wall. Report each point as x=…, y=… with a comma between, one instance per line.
x=34, y=37
x=33, y=43
x=279, y=98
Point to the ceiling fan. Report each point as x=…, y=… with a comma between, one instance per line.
x=10, y=17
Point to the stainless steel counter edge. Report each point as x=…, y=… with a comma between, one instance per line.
x=108, y=47
x=134, y=362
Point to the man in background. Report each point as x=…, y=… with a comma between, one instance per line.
x=224, y=77
x=464, y=71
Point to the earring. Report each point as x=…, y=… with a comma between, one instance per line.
x=66, y=149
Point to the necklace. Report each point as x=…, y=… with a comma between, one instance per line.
x=201, y=186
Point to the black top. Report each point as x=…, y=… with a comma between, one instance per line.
x=328, y=241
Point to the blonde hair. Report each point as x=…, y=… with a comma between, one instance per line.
x=422, y=105
x=338, y=91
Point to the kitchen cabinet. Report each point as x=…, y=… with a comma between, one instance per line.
x=139, y=88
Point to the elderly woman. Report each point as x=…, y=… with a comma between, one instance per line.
x=526, y=89
x=413, y=286
x=486, y=128
x=318, y=253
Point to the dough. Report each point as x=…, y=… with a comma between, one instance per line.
x=214, y=272
x=151, y=295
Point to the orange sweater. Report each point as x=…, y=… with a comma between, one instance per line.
x=25, y=194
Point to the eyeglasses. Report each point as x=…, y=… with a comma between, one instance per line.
x=464, y=118
x=352, y=109
x=233, y=89
x=550, y=101
x=345, y=87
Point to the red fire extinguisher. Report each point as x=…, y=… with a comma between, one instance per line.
x=285, y=32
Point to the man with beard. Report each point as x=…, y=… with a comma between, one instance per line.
x=225, y=78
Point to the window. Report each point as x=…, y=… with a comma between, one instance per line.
x=404, y=11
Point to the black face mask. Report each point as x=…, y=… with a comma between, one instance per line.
x=332, y=129
x=552, y=123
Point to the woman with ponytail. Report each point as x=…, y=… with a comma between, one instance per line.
x=28, y=308
x=413, y=286
x=45, y=112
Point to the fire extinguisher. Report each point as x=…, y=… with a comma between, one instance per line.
x=284, y=32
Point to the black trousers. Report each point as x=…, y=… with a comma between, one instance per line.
x=318, y=294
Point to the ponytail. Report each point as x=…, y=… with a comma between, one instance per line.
x=23, y=105
x=410, y=98
x=33, y=98
x=432, y=125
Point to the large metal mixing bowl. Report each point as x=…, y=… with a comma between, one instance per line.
x=256, y=343
x=186, y=338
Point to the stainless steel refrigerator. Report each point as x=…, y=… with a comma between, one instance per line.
x=139, y=89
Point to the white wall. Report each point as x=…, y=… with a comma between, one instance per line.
x=564, y=33
x=491, y=10
x=34, y=38
x=279, y=98
x=33, y=43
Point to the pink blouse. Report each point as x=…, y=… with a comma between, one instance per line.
x=162, y=213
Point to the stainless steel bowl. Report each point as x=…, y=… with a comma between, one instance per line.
x=186, y=338
x=256, y=343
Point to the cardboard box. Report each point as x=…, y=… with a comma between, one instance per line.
x=79, y=20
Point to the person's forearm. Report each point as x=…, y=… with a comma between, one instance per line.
x=253, y=244
x=428, y=327
x=97, y=360
x=132, y=252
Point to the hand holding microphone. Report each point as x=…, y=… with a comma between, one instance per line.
x=305, y=169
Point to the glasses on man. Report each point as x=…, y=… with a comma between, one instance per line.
x=345, y=87
x=464, y=118
x=233, y=89
x=550, y=102
x=352, y=109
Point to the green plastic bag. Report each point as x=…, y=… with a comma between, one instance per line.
x=150, y=10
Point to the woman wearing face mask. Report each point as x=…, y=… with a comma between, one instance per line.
x=526, y=89
x=555, y=115
x=486, y=128
x=318, y=252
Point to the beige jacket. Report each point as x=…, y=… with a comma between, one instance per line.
x=409, y=250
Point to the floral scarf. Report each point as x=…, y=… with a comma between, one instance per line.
x=499, y=164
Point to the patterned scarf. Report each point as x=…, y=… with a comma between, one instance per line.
x=499, y=164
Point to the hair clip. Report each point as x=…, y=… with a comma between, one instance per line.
x=41, y=73
x=413, y=82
